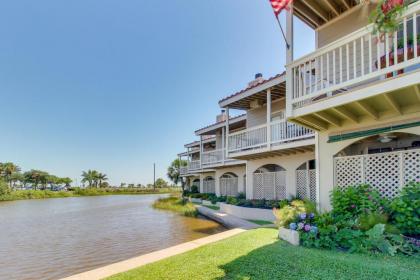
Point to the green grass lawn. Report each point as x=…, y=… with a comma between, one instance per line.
x=261, y=222
x=212, y=207
x=257, y=254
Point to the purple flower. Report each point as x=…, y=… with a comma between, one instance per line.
x=303, y=216
x=353, y=206
x=314, y=229
x=293, y=226
x=370, y=197
x=300, y=226
x=311, y=216
x=307, y=228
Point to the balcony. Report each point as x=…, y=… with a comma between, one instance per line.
x=194, y=165
x=255, y=139
x=354, y=68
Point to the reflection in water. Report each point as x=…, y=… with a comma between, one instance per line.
x=53, y=238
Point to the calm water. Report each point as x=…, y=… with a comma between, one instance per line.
x=53, y=238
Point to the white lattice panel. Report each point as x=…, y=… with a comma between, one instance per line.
x=412, y=166
x=229, y=186
x=312, y=185
x=383, y=172
x=270, y=186
x=209, y=186
x=386, y=172
x=348, y=171
x=302, y=184
x=306, y=184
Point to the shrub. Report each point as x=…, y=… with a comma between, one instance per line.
x=405, y=210
x=289, y=213
x=241, y=195
x=194, y=189
x=4, y=188
x=353, y=201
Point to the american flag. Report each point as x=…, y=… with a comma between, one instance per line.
x=280, y=5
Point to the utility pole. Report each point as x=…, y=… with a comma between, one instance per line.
x=154, y=176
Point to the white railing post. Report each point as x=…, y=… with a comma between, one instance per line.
x=269, y=119
x=227, y=132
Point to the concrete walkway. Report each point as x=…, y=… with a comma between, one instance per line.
x=227, y=220
x=109, y=270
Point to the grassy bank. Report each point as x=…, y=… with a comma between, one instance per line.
x=176, y=204
x=257, y=254
x=42, y=194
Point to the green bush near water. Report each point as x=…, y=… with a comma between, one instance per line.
x=176, y=204
x=7, y=195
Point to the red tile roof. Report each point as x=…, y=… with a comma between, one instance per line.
x=253, y=86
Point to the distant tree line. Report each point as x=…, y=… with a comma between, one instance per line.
x=37, y=179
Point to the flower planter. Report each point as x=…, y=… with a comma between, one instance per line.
x=248, y=213
x=291, y=236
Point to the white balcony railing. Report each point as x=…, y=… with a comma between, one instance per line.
x=194, y=165
x=213, y=157
x=183, y=170
x=251, y=138
x=355, y=60
x=256, y=137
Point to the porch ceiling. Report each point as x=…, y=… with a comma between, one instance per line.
x=275, y=153
x=403, y=101
x=277, y=92
x=316, y=13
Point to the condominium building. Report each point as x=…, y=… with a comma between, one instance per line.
x=346, y=114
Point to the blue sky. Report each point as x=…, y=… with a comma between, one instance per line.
x=117, y=85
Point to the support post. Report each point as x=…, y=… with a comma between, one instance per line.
x=289, y=59
x=227, y=132
x=223, y=145
x=201, y=151
x=269, y=119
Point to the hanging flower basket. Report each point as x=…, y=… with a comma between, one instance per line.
x=386, y=14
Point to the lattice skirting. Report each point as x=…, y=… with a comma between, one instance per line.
x=306, y=184
x=209, y=186
x=270, y=185
x=229, y=186
x=386, y=172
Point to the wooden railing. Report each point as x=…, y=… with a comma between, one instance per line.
x=355, y=60
x=256, y=137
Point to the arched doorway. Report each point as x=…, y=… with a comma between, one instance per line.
x=386, y=162
x=209, y=185
x=229, y=184
x=195, y=185
x=269, y=182
x=306, y=181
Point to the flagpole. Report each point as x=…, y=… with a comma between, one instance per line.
x=282, y=32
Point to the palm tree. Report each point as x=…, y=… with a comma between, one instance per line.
x=90, y=177
x=101, y=177
x=7, y=169
x=174, y=172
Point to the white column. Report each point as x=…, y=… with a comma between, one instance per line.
x=223, y=145
x=289, y=59
x=201, y=151
x=227, y=132
x=269, y=119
